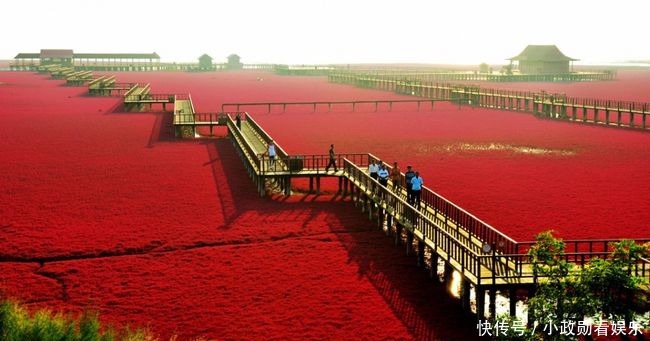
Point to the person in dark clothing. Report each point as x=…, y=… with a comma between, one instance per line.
x=408, y=176
x=332, y=160
x=238, y=121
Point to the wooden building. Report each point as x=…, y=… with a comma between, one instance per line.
x=90, y=61
x=234, y=62
x=205, y=63
x=542, y=59
x=61, y=57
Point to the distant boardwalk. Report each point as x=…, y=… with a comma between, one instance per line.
x=548, y=105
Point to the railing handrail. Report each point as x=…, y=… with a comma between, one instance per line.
x=580, y=101
x=252, y=157
x=265, y=136
x=460, y=209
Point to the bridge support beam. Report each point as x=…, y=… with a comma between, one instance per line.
x=512, y=293
x=433, y=270
x=381, y=218
x=409, y=242
x=287, y=185
x=493, y=302
x=466, y=289
x=389, y=224
x=480, y=303
x=398, y=233
x=261, y=188
x=421, y=248
x=448, y=275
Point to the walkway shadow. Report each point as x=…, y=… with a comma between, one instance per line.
x=162, y=130
x=238, y=194
x=424, y=305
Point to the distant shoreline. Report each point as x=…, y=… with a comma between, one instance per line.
x=631, y=65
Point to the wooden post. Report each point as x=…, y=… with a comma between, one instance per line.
x=480, y=303
x=619, y=117
x=409, y=242
x=465, y=294
x=493, y=302
x=433, y=270
x=398, y=233
x=448, y=275
x=389, y=224
x=421, y=246
x=513, y=301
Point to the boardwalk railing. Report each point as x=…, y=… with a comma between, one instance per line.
x=452, y=233
x=543, y=104
x=319, y=104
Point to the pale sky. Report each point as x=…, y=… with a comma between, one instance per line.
x=331, y=31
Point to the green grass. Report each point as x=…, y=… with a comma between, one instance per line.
x=17, y=324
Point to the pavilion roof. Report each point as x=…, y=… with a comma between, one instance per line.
x=46, y=53
x=545, y=53
x=28, y=56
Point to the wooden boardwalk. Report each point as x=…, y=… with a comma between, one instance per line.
x=614, y=113
x=488, y=261
x=314, y=105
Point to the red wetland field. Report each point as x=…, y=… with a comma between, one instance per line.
x=106, y=210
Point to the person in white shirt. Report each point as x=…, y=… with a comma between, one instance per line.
x=271, y=153
x=373, y=168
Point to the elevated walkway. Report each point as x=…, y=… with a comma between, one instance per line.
x=487, y=259
x=614, y=113
x=78, y=78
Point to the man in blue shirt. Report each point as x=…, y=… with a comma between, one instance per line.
x=416, y=189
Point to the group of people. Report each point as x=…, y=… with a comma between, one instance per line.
x=413, y=182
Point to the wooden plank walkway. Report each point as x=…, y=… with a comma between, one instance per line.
x=615, y=113
x=487, y=259
x=485, y=256
x=314, y=105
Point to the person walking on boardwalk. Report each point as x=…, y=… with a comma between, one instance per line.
x=396, y=177
x=238, y=121
x=408, y=176
x=373, y=168
x=382, y=175
x=416, y=189
x=271, y=153
x=332, y=159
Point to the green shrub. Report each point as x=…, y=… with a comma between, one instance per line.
x=16, y=324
